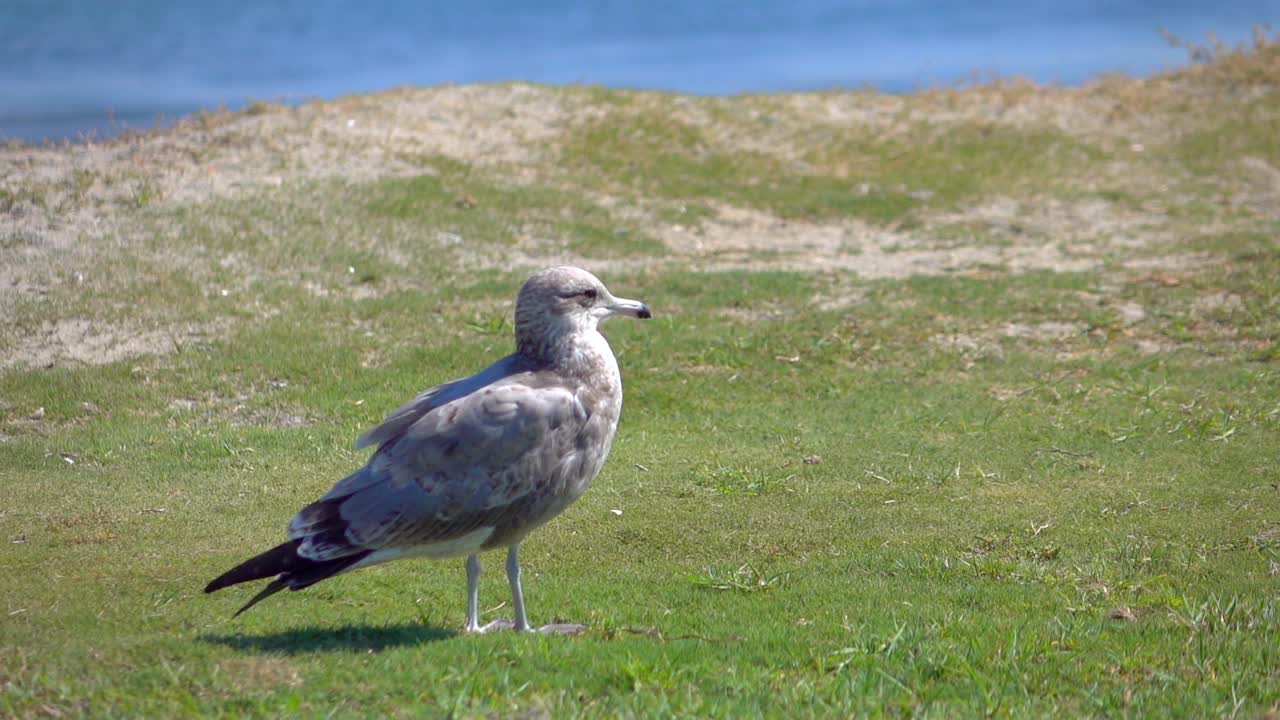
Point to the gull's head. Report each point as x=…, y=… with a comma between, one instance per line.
x=563, y=301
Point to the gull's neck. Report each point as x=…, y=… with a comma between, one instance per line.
x=581, y=351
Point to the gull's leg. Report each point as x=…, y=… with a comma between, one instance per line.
x=473, y=594
x=517, y=599
x=517, y=592
x=521, y=622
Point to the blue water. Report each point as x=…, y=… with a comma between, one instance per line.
x=69, y=68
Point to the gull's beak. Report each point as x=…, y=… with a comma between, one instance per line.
x=634, y=308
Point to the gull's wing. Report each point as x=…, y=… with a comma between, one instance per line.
x=402, y=417
x=481, y=460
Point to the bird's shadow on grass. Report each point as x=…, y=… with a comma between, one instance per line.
x=347, y=638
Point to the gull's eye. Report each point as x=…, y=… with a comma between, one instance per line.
x=589, y=294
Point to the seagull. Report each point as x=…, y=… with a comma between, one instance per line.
x=475, y=464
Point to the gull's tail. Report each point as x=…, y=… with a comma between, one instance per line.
x=293, y=571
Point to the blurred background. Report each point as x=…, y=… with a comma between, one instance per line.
x=72, y=69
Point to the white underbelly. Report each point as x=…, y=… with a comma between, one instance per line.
x=461, y=546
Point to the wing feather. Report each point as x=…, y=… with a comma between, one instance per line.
x=407, y=414
x=464, y=461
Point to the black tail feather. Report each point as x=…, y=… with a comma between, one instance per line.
x=278, y=560
x=293, y=571
x=272, y=588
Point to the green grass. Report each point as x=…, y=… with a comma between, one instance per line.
x=476, y=209
x=947, y=550
x=840, y=172
x=978, y=493
x=1251, y=131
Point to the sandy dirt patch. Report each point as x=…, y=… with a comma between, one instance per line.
x=77, y=341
